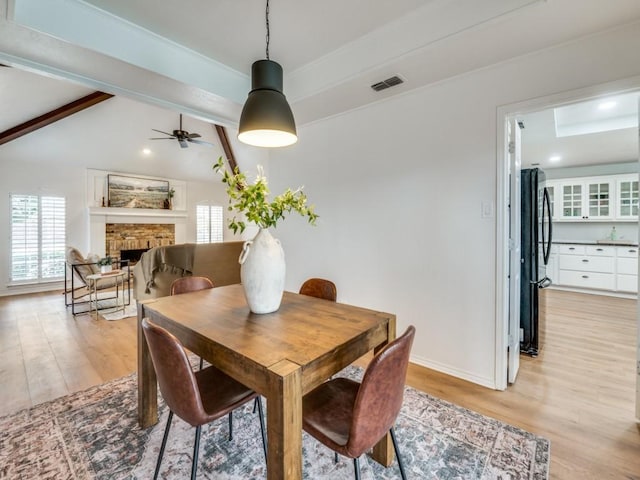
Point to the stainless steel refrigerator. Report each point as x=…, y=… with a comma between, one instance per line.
x=536, y=236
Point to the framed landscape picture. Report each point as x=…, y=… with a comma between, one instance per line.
x=137, y=192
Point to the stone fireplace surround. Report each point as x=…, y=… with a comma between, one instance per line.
x=137, y=236
x=144, y=221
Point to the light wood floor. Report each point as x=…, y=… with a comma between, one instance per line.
x=579, y=392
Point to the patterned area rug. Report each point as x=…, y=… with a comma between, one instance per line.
x=130, y=310
x=94, y=435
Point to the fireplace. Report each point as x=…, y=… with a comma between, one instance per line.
x=133, y=255
x=129, y=240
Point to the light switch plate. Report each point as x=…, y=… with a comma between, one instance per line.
x=487, y=209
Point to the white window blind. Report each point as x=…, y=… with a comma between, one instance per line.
x=209, y=222
x=38, y=237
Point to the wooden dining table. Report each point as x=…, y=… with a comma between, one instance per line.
x=281, y=355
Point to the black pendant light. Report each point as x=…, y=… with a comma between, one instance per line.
x=266, y=119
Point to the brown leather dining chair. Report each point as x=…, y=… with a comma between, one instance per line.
x=193, y=284
x=319, y=288
x=197, y=398
x=351, y=417
x=190, y=284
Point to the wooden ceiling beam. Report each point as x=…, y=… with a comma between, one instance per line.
x=226, y=146
x=53, y=116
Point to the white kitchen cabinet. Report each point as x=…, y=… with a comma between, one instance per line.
x=627, y=269
x=600, y=250
x=627, y=197
x=584, y=263
x=586, y=199
x=627, y=252
x=601, y=267
x=570, y=200
x=588, y=268
x=582, y=279
x=627, y=283
x=601, y=198
x=565, y=249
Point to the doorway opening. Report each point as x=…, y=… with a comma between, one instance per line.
x=527, y=113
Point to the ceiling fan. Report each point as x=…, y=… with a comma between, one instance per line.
x=182, y=136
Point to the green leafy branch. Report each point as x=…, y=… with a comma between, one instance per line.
x=253, y=200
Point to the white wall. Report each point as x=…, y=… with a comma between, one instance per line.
x=399, y=187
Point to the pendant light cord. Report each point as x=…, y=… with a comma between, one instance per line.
x=267, y=21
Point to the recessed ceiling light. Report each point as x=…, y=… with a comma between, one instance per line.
x=555, y=158
x=146, y=151
x=607, y=105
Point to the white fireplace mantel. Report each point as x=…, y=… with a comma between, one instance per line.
x=137, y=212
x=100, y=216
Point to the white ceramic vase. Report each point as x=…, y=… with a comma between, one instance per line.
x=105, y=268
x=262, y=272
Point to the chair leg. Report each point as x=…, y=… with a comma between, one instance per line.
x=395, y=447
x=196, y=447
x=263, y=430
x=164, y=444
x=230, y=425
x=255, y=404
x=335, y=457
x=201, y=362
x=356, y=467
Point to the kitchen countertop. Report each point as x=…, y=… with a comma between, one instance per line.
x=618, y=243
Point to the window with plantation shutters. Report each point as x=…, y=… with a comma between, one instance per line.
x=209, y=220
x=38, y=237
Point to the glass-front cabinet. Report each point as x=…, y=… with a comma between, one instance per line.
x=599, y=199
x=627, y=198
x=571, y=201
x=586, y=199
x=604, y=198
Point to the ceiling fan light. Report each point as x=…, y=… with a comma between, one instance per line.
x=266, y=119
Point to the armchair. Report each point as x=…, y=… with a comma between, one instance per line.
x=76, y=285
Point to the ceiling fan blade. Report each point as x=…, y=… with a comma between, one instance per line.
x=201, y=142
x=194, y=135
x=160, y=131
x=162, y=138
x=183, y=143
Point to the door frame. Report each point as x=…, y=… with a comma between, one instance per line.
x=514, y=251
x=504, y=113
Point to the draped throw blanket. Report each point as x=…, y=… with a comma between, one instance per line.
x=173, y=258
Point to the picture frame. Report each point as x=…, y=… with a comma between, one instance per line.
x=137, y=192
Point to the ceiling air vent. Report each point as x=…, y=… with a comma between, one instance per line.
x=389, y=82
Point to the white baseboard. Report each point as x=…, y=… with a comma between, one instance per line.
x=464, y=375
x=32, y=288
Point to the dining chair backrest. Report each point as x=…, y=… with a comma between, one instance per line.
x=319, y=288
x=380, y=394
x=190, y=284
x=176, y=379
